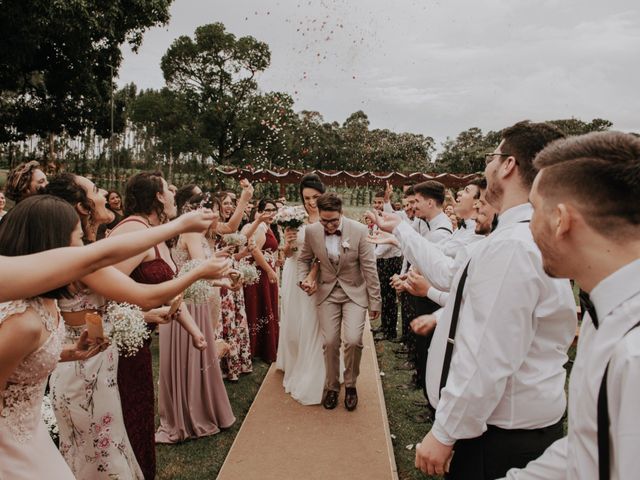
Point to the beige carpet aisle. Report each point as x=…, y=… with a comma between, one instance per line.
x=281, y=439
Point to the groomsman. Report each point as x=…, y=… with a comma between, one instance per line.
x=495, y=367
x=389, y=263
x=587, y=225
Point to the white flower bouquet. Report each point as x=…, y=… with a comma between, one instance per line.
x=235, y=240
x=291, y=217
x=249, y=273
x=128, y=328
x=199, y=291
x=49, y=418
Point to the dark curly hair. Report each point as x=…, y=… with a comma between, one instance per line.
x=19, y=179
x=140, y=195
x=37, y=224
x=311, y=180
x=64, y=186
x=183, y=195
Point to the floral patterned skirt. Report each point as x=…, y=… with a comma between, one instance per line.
x=234, y=330
x=86, y=401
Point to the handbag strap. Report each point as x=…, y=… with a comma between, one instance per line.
x=604, y=461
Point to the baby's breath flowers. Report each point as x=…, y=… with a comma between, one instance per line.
x=128, y=328
x=199, y=291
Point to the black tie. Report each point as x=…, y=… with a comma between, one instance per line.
x=462, y=224
x=587, y=305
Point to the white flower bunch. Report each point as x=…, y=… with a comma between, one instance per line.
x=234, y=239
x=291, y=217
x=128, y=328
x=249, y=273
x=199, y=291
x=49, y=418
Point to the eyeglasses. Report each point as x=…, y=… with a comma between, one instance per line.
x=329, y=222
x=488, y=157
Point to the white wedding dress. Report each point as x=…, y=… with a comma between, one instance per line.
x=300, y=354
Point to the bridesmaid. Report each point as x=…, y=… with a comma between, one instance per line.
x=148, y=202
x=261, y=299
x=192, y=399
x=31, y=343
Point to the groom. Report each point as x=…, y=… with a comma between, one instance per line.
x=347, y=285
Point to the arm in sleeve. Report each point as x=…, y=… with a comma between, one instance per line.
x=426, y=257
x=496, y=332
x=305, y=258
x=438, y=296
x=551, y=465
x=624, y=398
x=369, y=270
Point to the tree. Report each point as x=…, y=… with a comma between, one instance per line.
x=216, y=72
x=59, y=58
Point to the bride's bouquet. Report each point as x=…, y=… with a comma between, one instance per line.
x=128, y=328
x=199, y=291
x=49, y=418
x=249, y=273
x=291, y=217
x=235, y=240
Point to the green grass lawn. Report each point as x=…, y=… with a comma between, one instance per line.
x=203, y=458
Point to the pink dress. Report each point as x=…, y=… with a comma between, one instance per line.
x=26, y=449
x=192, y=399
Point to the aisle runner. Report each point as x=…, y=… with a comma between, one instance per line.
x=281, y=439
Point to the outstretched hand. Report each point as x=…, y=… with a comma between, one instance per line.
x=247, y=189
x=197, y=221
x=385, y=221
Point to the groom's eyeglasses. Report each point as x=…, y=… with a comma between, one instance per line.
x=333, y=221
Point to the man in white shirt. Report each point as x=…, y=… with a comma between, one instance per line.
x=587, y=225
x=389, y=263
x=497, y=382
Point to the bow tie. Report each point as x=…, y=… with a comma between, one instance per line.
x=587, y=305
x=462, y=224
x=337, y=233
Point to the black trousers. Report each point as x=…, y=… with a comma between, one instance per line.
x=492, y=454
x=387, y=267
x=407, y=314
x=421, y=306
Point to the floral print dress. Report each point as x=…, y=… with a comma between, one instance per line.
x=86, y=401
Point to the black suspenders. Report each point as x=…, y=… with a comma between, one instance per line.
x=604, y=462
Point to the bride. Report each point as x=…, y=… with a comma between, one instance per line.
x=300, y=344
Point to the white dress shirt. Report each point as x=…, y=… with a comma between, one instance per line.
x=332, y=243
x=575, y=457
x=515, y=327
x=440, y=228
x=430, y=259
x=462, y=236
x=387, y=250
x=388, y=208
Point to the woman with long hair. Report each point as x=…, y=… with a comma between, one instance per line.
x=261, y=299
x=85, y=396
x=148, y=202
x=31, y=343
x=186, y=372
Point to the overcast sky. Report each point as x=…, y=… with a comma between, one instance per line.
x=431, y=67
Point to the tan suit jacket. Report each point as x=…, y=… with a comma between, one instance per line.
x=356, y=271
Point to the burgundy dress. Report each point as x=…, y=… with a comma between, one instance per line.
x=261, y=305
x=135, y=378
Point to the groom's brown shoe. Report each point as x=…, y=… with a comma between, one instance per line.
x=350, y=398
x=330, y=400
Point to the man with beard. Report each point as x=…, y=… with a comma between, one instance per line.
x=587, y=224
x=495, y=367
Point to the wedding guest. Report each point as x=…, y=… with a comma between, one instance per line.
x=114, y=203
x=31, y=275
x=389, y=263
x=25, y=180
x=261, y=299
x=192, y=399
x=31, y=343
x=498, y=384
x=172, y=188
x=3, y=204
x=586, y=223
x=233, y=328
x=300, y=354
x=148, y=202
x=184, y=193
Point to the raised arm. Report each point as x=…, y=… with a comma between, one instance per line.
x=31, y=275
x=234, y=222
